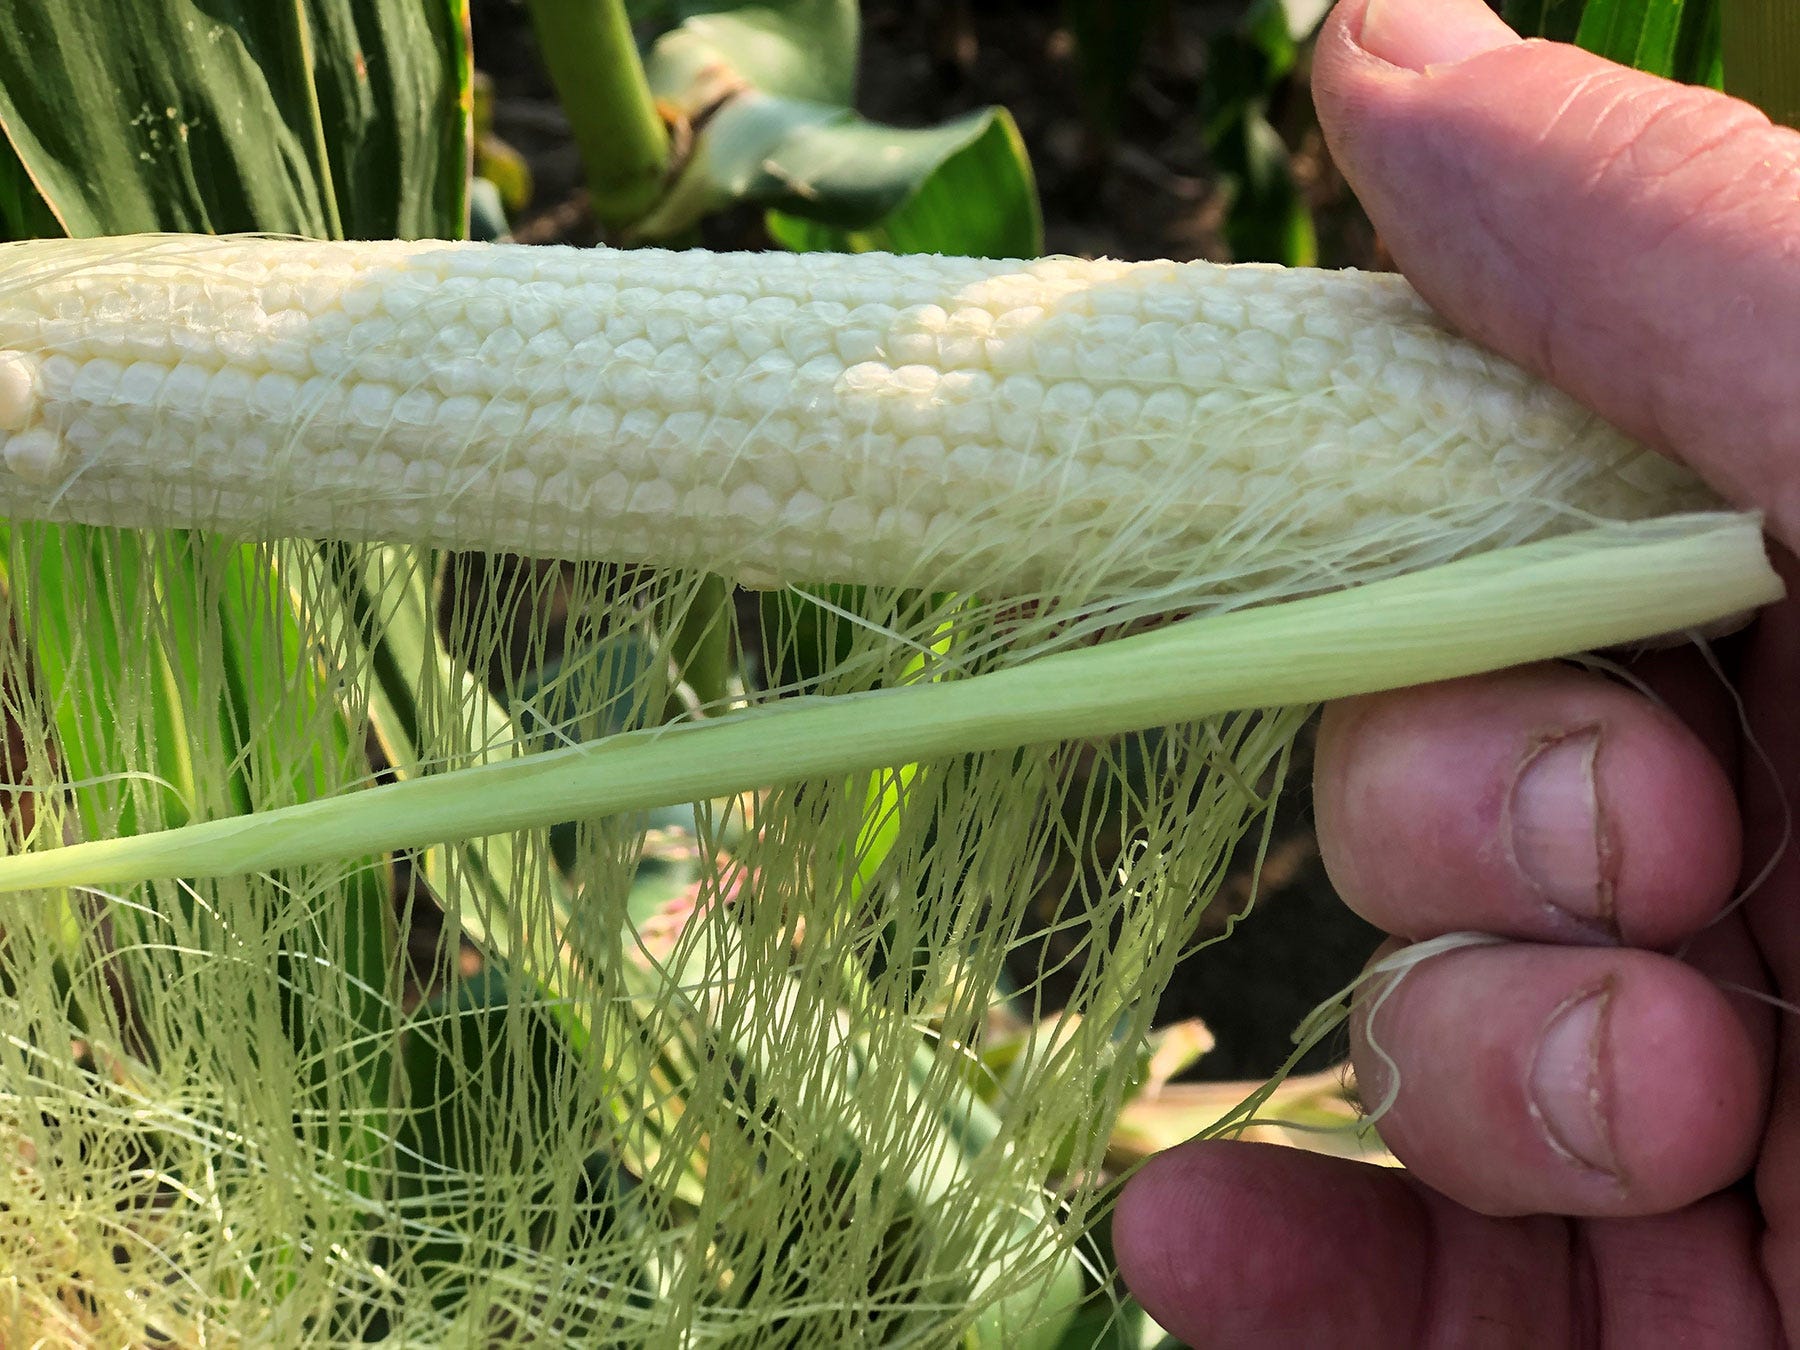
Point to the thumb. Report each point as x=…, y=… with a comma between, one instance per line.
x=1635, y=241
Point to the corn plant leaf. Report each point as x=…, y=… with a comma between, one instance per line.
x=321, y=117
x=1250, y=66
x=1680, y=40
x=770, y=85
x=1760, y=52
x=965, y=187
x=23, y=212
x=1675, y=38
x=798, y=49
x=1557, y=20
x=480, y=1063
x=1107, y=1325
x=1110, y=41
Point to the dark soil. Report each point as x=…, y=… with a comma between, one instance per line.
x=1142, y=191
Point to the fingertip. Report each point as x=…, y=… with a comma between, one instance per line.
x=1546, y=803
x=1676, y=845
x=1419, y=35
x=1230, y=1243
x=1565, y=1080
x=1690, y=1090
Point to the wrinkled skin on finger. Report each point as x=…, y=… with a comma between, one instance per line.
x=1601, y=1130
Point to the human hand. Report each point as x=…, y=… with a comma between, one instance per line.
x=1639, y=244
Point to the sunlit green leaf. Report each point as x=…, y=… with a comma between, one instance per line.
x=770, y=86
x=965, y=187
x=1035, y=1318
x=798, y=49
x=321, y=117
x=1676, y=38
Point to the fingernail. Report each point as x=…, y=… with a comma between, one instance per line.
x=1558, y=838
x=1568, y=1082
x=1420, y=34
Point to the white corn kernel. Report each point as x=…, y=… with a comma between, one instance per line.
x=905, y=421
x=37, y=456
x=18, y=390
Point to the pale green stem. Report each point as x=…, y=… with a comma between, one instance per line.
x=1594, y=589
x=593, y=61
x=1762, y=55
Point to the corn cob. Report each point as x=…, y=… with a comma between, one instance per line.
x=780, y=418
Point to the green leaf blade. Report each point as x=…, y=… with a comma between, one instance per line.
x=1678, y=39
x=798, y=49
x=963, y=188
x=226, y=130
